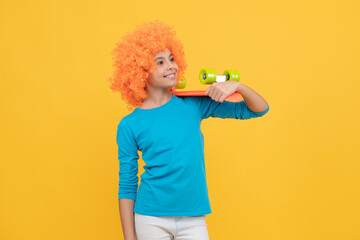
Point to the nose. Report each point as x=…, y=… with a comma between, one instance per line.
x=171, y=66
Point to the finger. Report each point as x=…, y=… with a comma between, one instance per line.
x=211, y=90
x=214, y=90
x=207, y=91
x=222, y=98
x=217, y=95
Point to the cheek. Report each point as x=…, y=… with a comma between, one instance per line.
x=156, y=74
x=159, y=75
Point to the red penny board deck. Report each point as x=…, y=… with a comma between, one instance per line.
x=235, y=97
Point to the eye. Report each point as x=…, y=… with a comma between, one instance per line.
x=172, y=59
x=160, y=62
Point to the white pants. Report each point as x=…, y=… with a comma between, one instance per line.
x=170, y=228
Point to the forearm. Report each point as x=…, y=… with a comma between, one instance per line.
x=126, y=208
x=252, y=99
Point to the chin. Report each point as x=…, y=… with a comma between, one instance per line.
x=172, y=83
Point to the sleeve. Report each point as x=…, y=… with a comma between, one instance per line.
x=238, y=110
x=128, y=156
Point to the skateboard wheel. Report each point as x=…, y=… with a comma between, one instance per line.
x=232, y=75
x=181, y=84
x=207, y=76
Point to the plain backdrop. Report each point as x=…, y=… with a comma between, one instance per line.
x=292, y=174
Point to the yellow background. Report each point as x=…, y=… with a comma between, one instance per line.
x=291, y=175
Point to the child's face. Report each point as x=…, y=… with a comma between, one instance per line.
x=165, y=65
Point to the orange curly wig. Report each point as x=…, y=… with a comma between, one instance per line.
x=134, y=60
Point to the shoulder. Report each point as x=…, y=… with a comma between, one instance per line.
x=127, y=119
x=190, y=100
x=124, y=122
x=124, y=128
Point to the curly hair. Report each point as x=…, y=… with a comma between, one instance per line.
x=133, y=60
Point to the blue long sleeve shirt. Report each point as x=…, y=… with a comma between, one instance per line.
x=172, y=145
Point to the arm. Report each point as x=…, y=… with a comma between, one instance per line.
x=252, y=99
x=128, y=179
x=126, y=208
x=220, y=90
x=213, y=105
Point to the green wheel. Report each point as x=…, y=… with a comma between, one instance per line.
x=207, y=76
x=232, y=75
x=181, y=84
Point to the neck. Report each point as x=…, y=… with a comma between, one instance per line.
x=157, y=97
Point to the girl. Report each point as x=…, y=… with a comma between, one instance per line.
x=172, y=200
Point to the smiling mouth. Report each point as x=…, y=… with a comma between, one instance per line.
x=170, y=76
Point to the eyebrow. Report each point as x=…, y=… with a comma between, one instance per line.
x=163, y=57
